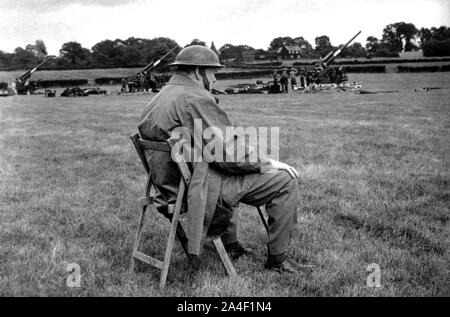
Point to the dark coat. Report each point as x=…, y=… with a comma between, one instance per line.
x=178, y=104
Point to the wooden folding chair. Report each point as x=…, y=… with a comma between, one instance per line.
x=176, y=227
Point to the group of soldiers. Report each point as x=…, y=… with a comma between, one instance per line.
x=143, y=81
x=306, y=78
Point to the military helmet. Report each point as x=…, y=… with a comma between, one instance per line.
x=197, y=55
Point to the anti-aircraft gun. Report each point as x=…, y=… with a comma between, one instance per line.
x=322, y=70
x=21, y=84
x=144, y=79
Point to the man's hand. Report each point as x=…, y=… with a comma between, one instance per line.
x=276, y=165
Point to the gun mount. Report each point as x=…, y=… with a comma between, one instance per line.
x=21, y=85
x=323, y=66
x=144, y=79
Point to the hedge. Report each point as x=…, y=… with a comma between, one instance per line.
x=420, y=69
x=445, y=68
x=108, y=80
x=365, y=69
x=381, y=61
x=244, y=75
x=59, y=83
x=161, y=78
x=436, y=48
x=270, y=64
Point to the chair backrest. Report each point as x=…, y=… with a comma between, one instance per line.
x=142, y=145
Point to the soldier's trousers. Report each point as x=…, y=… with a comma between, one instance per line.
x=277, y=191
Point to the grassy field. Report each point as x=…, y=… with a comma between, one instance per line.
x=374, y=188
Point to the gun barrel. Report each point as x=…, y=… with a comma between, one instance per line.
x=30, y=72
x=332, y=55
x=352, y=39
x=154, y=64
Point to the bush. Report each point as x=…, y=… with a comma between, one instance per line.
x=433, y=48
x=420, y=69
x=445, y=68
x=3, y=85
x=59, y=83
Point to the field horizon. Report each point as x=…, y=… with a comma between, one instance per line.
x=374, y=189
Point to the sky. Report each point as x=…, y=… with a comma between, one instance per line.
x=250, y=22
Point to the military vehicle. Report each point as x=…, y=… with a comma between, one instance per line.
x=74, y=92
x=94, y=91
x=257, y=88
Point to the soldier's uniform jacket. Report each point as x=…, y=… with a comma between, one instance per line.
x=178, y=104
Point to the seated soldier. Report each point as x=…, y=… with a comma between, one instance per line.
x=216, y=187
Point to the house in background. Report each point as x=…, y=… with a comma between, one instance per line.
x=289, y=52
x=241, y=53
x=262, y=55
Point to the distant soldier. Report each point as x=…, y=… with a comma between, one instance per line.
x=292, y=74
x=141, y=82
x=318, y=69
x=341, y=76
x=124, y=85
x=276, y=82
x=131, y=84
x=302, y=74
x=285, y=81
x=309, y=77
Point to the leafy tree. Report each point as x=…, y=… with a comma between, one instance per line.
x=322, y=43
x=432, y=48
x=196, y=42
x=441, y=34
x=5, y=59
x=23, y=58
x=280, y=42
x=158, y=47
x=129, y=56
x=435, y=41
x=307, y=49
x=138, y=43
x=323, y=46
x=229, y=51
x=105, y=53
x=425, y=35
x=76, y=55
x=132, y=51
x=395, y=34
x=373, y=44
x=355, y=50
x=40, y=48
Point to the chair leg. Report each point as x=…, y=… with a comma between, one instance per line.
x=263, y=219
x=138, y=237
x=224, y=257
x=172, y=234
x=181, y=235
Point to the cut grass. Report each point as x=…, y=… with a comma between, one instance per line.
x=374, y=188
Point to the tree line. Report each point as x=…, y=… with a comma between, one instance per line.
x=136, y=52
x=396, y=38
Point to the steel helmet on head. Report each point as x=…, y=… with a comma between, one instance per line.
x=197, y=55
